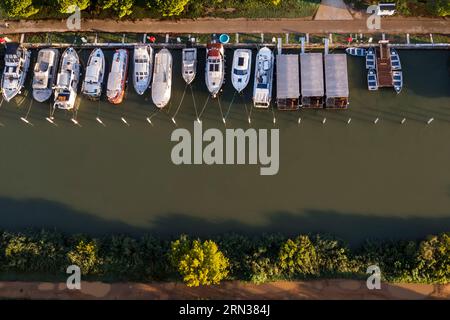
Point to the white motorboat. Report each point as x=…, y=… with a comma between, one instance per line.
x=395, y=60
x=262, y=87
x=215, y=67
x=162, y=78
x=189, y=64
x=95, y=73
x=142, y=67
x=117, y=78
x=17, y=62
x=44, y=76
x=67, y=80
x=371, y=58
x=357, y=52
x=242, y=63
x=397, y=81
x=372, y=82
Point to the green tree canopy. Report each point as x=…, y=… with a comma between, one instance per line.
x=169, y=8
x=64, y=6
x=198, y=263
x=439, y=7
x=121, y=7
x=433, y=259
x=18, y=8
x=85, y=255
x=298, y=257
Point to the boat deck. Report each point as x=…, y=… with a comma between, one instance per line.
x=384, y=71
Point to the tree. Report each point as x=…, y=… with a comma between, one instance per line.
x=67, y=6
x=298, y=257
x=169, y=8
x=198, y=263
x=85, y=256
x=433, y=259
x=19, y=8
x=439, y=7
x=121, y=7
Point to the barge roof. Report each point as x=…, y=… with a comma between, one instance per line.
x=288, y=84
x=336, y=77
x=311, y=69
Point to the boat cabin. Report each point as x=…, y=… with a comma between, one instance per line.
x=288, y=88
x=336, y=81
x=311, y=75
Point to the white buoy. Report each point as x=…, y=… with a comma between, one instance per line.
x=274, y=120
x=349, y=120
x=224, y=121
x=124, y=121
x=50, y=119
x=25, y=120
x=376, y=120
x=173, y=120
x=199, y=121
x=249, y=120
x=99, y=121
x=403, y=121
x=299, y=120
x=324, y=120
x=149, y=120
x=430, y=120
x=74, y=121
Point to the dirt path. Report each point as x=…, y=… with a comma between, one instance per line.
x=209, y=25
x=323, y=289
x=333, y=10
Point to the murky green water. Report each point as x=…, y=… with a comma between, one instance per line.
x=359, y=180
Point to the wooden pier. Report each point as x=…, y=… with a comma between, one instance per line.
x=384, y=70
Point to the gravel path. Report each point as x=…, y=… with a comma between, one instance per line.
x=333, y=10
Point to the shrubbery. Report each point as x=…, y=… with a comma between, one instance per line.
x=231, y=256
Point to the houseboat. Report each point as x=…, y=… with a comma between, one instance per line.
x=67, y=80
x=117, y=78
x=44, y=76
x=215, y=67
x=162, y=78
x=189, y=64
x=336, y=81
x=242, y=63
x=142, y=68
x=288, y=88
x=311, y=75
x=262, y=87
x=17, y=62
x=95, y=73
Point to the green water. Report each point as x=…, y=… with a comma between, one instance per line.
x=359, y=180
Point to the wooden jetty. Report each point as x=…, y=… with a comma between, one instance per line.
x=336, y=81
x=384, y=70
x=311, y=75
x=288, y=88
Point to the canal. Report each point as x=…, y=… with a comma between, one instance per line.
x=358, y=180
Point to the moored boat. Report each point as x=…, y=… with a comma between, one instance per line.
x=44, y=75
x=67, y=80
x=370, y=58
x=117, y=78
x=215, y=67
x=242, y=62
x=357, y=52
x=262, y=87
x=189, y=64
x=162, y=78
x=17, y=62
x=395, y=60
x=397, y=81
x=142, y=67
x=95, y=73
x=372, y=82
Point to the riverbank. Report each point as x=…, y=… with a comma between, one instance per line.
x=235, y=290
x=396, y=25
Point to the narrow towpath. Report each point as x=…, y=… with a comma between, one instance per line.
x=320, y=289
x=209, y=25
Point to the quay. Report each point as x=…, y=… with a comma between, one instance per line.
x=384, y=70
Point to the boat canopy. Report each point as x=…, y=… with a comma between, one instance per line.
x=311, y=67
x=287, y=76
x=336, y=78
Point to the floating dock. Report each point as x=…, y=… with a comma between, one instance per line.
x=311, y=75
x=384, y=69
x=288, y=82
x=336, y=81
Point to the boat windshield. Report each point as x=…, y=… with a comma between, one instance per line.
x=240, y=72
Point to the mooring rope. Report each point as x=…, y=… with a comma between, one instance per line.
x=229, y=107
x=29, y=109
x=221, y=111
x=204, y=106
x=181, y=101
x=193, y=100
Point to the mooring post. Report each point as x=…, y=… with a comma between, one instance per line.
x=330, y=36
x=144, y=38
x=22, y=37
x=237, y=38
x=407, y=38
x=167, y=38
x=123, y=38
x=96, y=38
x=383, y=36
x=262, y=37
x=431, y=38
x=307, y=38
x=287, y=37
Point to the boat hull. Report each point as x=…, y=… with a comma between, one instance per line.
x=9, y=93
x=117, y=97
x=162, y=78
x=42, y=95
x=141, y=85
x=240, y=81
x=189, y=65
x=263, y=78
x=90, y=90
x=214, y=79
x=66, y=93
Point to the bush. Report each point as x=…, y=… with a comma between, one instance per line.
x=433, y=260
x=333, y=257
x=299, y=258
x=198, y=263
x=85, y=255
